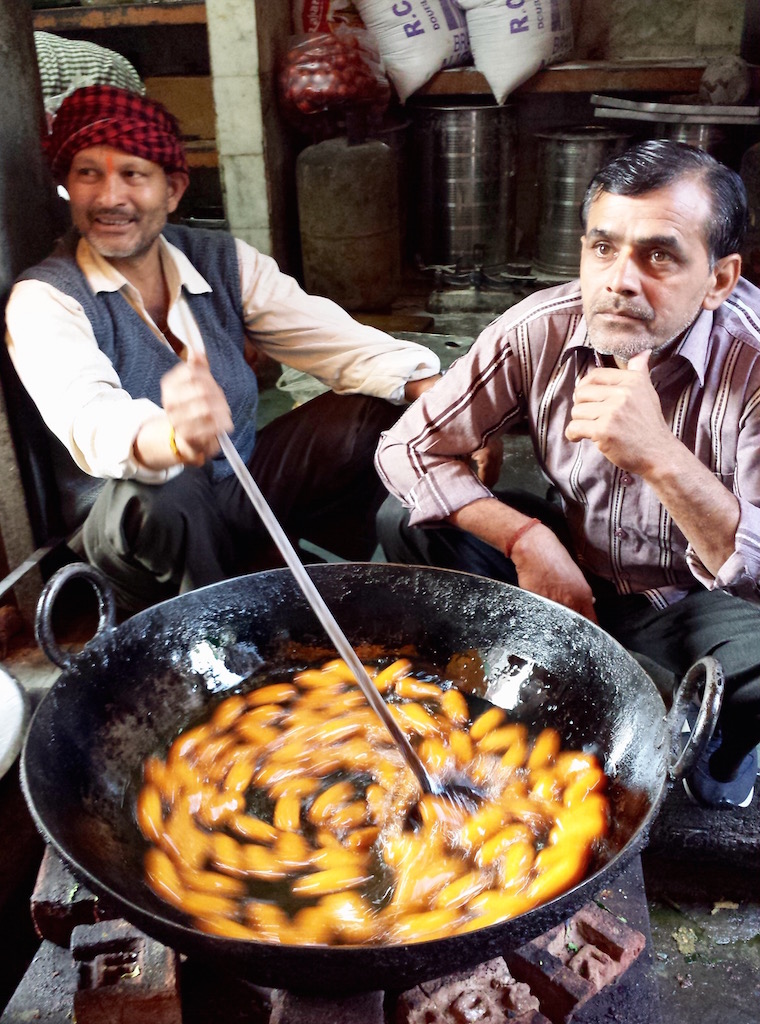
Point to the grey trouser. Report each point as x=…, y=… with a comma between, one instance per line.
x=314, y=466
x=704, y=622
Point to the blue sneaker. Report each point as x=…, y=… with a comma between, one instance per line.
x=704, y=789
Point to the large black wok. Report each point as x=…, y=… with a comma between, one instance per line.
x=135, y=686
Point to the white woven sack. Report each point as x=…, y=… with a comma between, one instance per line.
x=416, y=38
x=513, y=39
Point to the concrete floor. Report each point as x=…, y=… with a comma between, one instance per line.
x=707, y=960
x=702, y=869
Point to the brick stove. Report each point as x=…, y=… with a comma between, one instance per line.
x=594, y=969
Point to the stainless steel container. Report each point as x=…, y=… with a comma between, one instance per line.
x=567, y=161
x=462, y=197
x=710, y=137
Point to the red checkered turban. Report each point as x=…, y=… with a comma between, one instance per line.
x=104, y=115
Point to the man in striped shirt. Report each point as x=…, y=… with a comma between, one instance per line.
x=640, y=387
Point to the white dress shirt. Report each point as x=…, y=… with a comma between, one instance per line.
x=78, y=391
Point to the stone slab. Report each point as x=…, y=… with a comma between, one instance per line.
x=46, y=992
x=720, y=847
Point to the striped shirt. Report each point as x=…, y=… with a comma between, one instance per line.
x=68, y=64
x=522, y=371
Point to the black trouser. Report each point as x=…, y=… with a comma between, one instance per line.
x=314, y=466
x=704, y=622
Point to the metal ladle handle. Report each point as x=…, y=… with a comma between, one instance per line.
x=325, y=616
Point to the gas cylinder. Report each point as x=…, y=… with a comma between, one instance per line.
x=348, y=211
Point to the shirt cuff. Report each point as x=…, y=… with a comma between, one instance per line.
x=732, y=577
x=116, y=430
x=444, y=490
x=423, y=371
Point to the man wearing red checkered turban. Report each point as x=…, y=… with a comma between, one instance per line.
x=134, y=340
x=103, y=115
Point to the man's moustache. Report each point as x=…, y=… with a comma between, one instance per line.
x=619, y=309
x=109, y=212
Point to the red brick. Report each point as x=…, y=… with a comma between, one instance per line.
x=488, y=994
x=59, y=902
x=597, y=927
x=124, y=976
x=594, y=965
x=558, y=989
x=569, y=965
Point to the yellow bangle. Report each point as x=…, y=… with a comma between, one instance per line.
x=173, y=444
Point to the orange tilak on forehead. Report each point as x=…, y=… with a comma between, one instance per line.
x=109, y=162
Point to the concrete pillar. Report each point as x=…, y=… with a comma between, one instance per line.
x=26, y=236
x=233, y=46
x=256, y=154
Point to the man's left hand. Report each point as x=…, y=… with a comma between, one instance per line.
x=620, y=412
x=486, y=461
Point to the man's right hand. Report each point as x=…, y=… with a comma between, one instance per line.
x=544, y=567
x=196, y=407
x=194, y=412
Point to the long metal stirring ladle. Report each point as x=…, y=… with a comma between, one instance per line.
x=428, y=783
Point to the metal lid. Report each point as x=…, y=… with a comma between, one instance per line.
x=580, y=133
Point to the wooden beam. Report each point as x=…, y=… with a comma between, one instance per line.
x=68, y=19
x=602, y=76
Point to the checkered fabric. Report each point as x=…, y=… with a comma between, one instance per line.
x=102, y=115
x=68, y=64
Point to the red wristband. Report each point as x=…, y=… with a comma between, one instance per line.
x=516, y=536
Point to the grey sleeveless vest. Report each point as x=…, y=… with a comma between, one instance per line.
x=140, y=359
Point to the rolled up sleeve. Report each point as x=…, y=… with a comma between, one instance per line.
x=740, y=573
x=424, y=459
x=431, y=489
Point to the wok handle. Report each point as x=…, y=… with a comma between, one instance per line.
x=43, y=626
x=710, y=670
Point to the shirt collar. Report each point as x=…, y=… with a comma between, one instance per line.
x=577, y=342
x=693, y=346
x=102, y=276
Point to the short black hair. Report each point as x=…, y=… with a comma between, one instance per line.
x=657, y=163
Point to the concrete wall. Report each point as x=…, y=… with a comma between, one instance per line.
x=656, y=29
